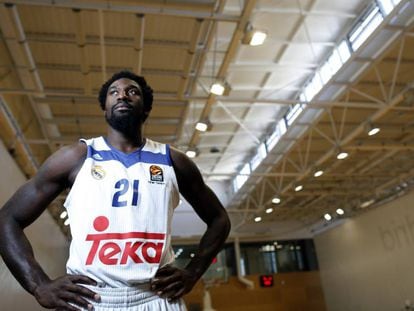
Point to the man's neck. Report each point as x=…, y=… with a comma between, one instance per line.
x=123, y=142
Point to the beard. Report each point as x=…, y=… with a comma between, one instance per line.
x=125, y=122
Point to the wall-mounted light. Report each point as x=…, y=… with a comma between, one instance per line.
x=253, y=36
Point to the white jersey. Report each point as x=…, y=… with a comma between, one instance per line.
x=120, y=209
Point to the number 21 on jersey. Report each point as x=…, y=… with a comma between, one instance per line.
x=122, y=197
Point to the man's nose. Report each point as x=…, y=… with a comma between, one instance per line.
x=122, y=94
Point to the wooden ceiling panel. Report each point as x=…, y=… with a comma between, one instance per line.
x=43, y=19
x=55, y=53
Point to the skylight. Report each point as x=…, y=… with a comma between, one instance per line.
x=365, y=28
x=368, y=22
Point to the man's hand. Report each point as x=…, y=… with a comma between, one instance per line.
x=172, y=282
x=57, y=294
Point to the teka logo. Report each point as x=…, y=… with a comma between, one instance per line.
x=136, y=246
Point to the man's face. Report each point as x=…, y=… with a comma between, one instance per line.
x=124, y=107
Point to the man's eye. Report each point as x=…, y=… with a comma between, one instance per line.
x=132, y=92
x=113, y=92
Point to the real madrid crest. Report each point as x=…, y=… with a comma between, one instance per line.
x=97, y=172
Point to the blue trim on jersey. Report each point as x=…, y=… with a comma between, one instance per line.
x=168, y=154
x=128, y=159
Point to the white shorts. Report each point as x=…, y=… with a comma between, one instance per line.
x=137, y=298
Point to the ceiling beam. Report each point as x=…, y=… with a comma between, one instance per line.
x=158, y=10
x=81, y=43
x=20, y=52
x=228, y=57
x=139, y=42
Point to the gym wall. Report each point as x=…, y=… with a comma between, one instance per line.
x=367, y=263
x=49, y=244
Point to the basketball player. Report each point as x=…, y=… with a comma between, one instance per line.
x=124, y=188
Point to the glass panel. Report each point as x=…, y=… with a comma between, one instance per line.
x=273, y=257
x=259, y=156
x=280, y=129
x=334, y=61
x=293, y=113
x=386, y=6
x=344, y=51
x=366, y=28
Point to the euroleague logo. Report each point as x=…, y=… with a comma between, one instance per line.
x=156, y=173
x=122, y=248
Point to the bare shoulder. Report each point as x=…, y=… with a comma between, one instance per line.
x=178, y=157
x=188, y=175
x=64, y=164
x=182, y=163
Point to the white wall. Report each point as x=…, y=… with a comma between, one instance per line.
x=48, y=242
x=368, y=262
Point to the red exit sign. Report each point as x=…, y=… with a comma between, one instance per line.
x=266, y=280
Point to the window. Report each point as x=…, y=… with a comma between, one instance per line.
x=259, y=156
x=313, y=87
x=386, y=6
x=242, y=178
x=293, y=113
x=334, y=61
x=344, y=52
x=325, y=72
x=368, y=23
x=278, y=132
x=274, y=256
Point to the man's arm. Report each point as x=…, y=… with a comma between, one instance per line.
x=24, y=207
x=171, y=282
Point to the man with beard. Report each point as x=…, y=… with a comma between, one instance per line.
x=123, y=190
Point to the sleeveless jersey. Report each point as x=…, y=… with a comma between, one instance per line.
x=120, y=209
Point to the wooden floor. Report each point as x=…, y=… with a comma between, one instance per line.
x=295, y=291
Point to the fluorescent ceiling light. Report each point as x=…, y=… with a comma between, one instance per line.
x=367, y=203
x=220, y=88
x=254, y=36
x=258, y=219
x=342, y=155
x=269, y=210
x=191, y=153
x=374, y=130
x=217, y=89
x=258, y=38
x=298, y=188
x=327, y=217
x=276, y=200
x=201, y=126
x=318, y=173
x=340, y=211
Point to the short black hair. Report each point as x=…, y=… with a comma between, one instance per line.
x=147, y=96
